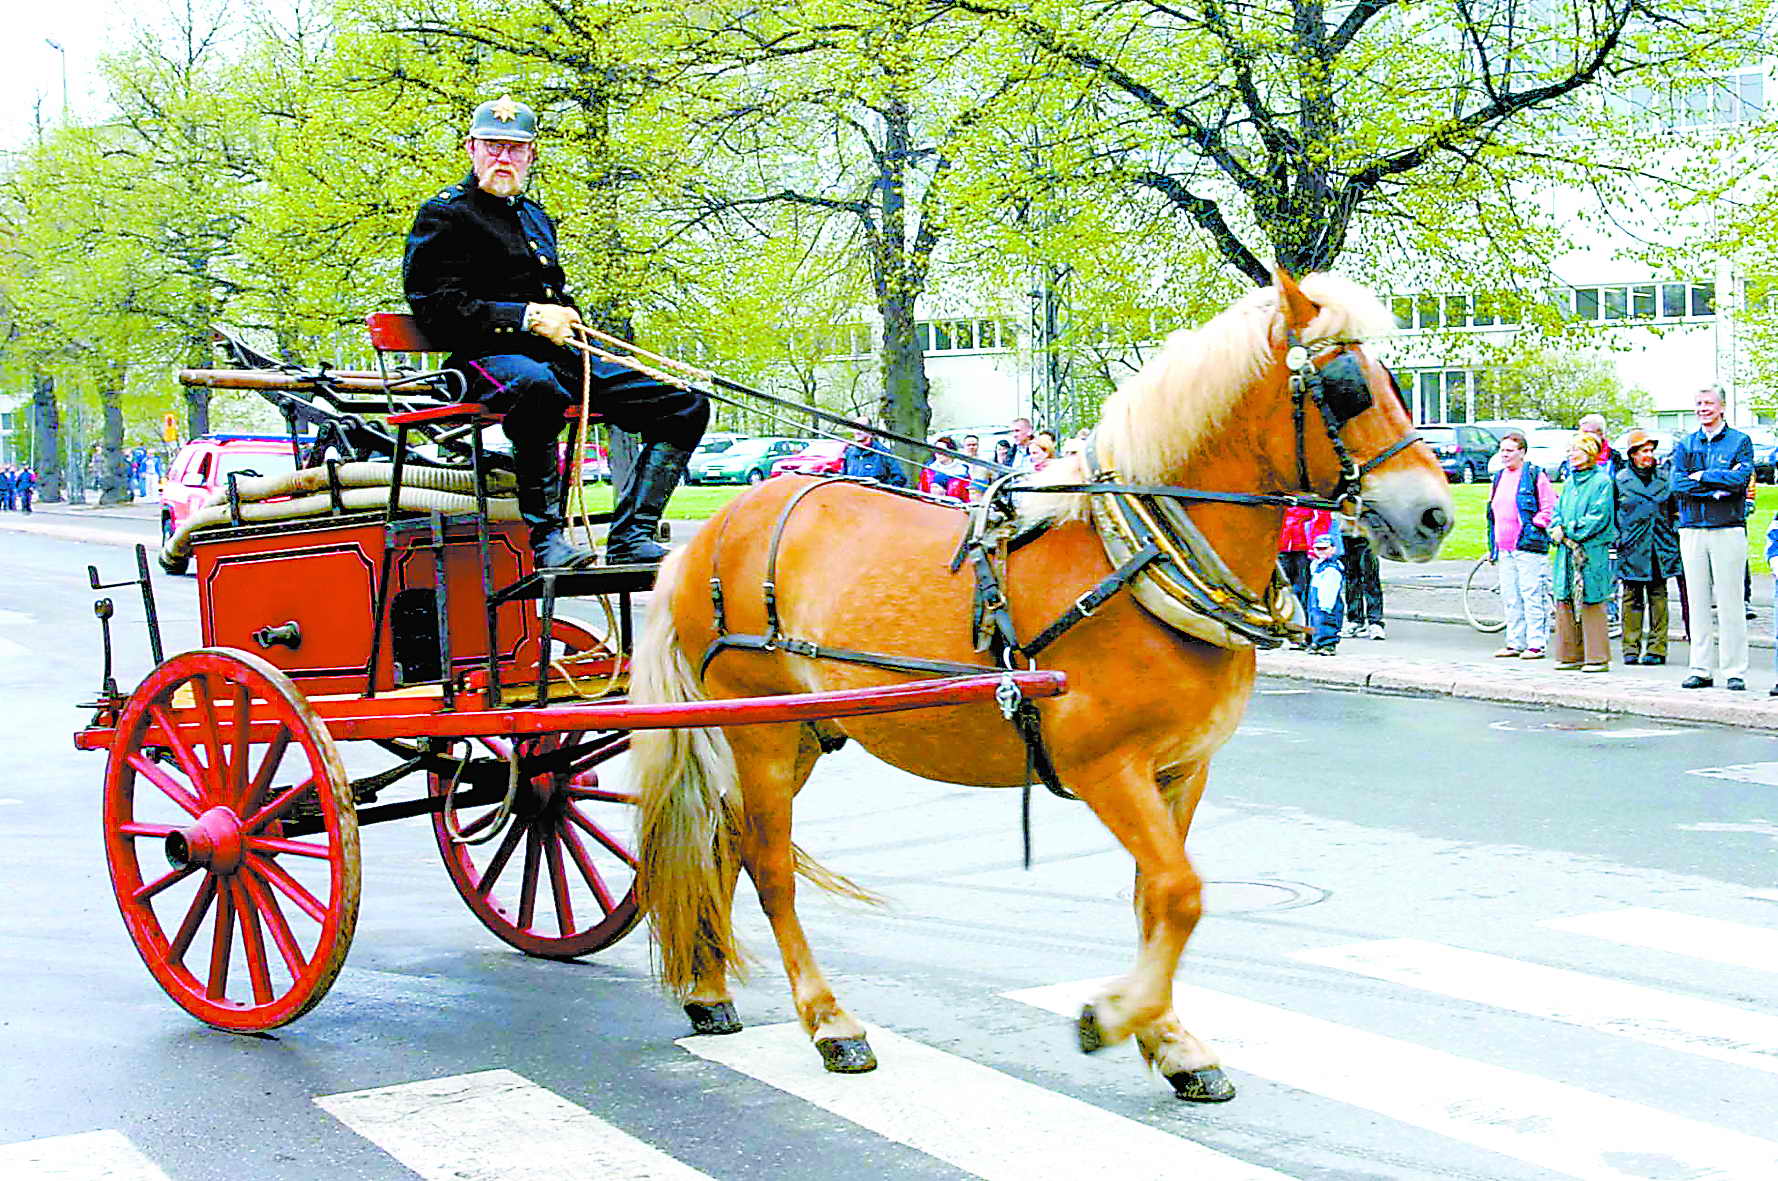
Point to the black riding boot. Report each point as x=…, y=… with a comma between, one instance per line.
x=540, y=504
x=640, y=502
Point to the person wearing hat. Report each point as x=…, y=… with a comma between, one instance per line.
x=1325, y=607
x=484, y=277
x=1583, y=528
x=1647, y=548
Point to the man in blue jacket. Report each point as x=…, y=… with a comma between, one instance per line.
x=1712, y=467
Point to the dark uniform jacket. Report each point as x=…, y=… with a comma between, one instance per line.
x=473, y=261
x=1647, y=542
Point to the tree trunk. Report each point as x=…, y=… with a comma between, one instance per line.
x=900, y=276
x=46, y=430
x=906, y=407
x=197, y=411
x=114, y=484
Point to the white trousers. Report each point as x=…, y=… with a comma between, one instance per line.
x=1715, y=561
x=1525, y=593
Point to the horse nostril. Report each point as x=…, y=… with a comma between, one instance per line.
x=1436, y=521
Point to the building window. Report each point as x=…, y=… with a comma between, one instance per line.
x=1727, y=101
x=973, y=335
x=1628, y=303
x=1438, y=395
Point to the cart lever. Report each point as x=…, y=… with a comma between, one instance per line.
x=104, y=610
x=288, y=634
x=148, y=612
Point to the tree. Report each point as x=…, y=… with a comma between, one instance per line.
x=1292, y=130
x=1561, y=386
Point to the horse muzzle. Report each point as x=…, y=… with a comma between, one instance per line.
x=1408, y=529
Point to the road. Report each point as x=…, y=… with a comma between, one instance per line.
x=1443, y=939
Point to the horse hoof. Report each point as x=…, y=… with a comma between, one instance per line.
x=1087, y=1030
x=717, y=1018
x=846, y=1055
x=1209, y=1085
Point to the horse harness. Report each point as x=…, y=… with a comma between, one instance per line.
x=1153, y=545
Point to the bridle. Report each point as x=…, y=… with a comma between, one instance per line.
x=1341, y=393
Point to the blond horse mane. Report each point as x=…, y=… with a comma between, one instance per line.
x=1155, y=421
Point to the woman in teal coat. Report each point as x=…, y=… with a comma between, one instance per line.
x=1583, y=528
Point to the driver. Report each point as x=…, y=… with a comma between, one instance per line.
x=482, y=273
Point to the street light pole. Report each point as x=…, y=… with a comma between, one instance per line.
x=57, y=46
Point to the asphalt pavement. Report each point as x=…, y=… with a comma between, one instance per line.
x=1443, y=939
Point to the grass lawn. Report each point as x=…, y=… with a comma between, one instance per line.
x=1470, y=537
x=689, y=503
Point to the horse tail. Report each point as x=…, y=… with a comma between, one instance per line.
x=686, y=833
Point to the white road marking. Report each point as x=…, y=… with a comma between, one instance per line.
x=1707, y=1028
x=1764, y=895
x=1634, y=732
x=1282, y=692
x=969, y=1115
x=1715, y=940
x=1764, y=774
x=1588, y=729
x=11, y=647
x=5, y=802
x=495, y=1125
x=1550, y=1125
x=85, y=1156
x=1763, y=828
x=13, y=618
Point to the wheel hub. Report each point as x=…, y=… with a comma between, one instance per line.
x=214, y=842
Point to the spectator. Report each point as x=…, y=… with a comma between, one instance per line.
x=1022, y=459
x=1711, y=468
x=1519, y=511
x=8, y=488
x=1043, y=450
x=1325, y=606
x=862, y=459
x=27, y=485
x=1364, y=584
x=947, y=476
x=1003, y=452
x=1583, y=528
x=1594, y=425
x=1301, y=526
x=1647, y=548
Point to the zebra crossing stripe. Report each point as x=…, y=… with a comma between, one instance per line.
x=969, y=1115
x=496, y=1125
x=1550, y=1125
x=85, y=1156
x=1707, y=1028
x=1715, y=940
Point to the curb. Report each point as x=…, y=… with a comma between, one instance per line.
x=80, y=533
x=1606, y=693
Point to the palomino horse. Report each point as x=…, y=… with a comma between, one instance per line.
x=859, y=569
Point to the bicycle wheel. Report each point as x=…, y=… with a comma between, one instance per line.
x=1482, y=605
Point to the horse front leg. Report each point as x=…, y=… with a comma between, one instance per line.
x=769, y=776
x=1146, y=819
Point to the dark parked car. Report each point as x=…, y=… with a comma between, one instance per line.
x=1462, y=450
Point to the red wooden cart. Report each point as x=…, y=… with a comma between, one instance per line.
x=231, y=821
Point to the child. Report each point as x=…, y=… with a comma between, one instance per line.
x=1326, y=604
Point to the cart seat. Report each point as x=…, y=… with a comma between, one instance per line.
x=399, y=332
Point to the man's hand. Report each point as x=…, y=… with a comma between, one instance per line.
x=552, y=321
x=1558, y=534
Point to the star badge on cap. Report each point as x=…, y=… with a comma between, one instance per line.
x=504, y=109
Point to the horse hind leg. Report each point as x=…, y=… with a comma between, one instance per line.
x=771, y=765
x=709, y=1004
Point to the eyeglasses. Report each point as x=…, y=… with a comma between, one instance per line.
x=503, y=147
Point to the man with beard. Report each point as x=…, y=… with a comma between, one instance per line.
x=484, y=277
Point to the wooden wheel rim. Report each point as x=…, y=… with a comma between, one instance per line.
x=291, y=942
x=523, y=884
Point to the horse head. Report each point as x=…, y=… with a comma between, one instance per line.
x=1356, y=438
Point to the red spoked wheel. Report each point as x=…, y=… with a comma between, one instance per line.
x=560, y=881
x=232, y=840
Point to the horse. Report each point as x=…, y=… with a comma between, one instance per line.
x=856, y=568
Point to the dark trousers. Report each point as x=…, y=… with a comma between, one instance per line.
x=1295, y=565
x=1645, y=601
x=1364, y=582
x=532, y=395
x=1324, y=627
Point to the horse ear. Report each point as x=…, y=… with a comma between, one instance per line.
x=1298, y=311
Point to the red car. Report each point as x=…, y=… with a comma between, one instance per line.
x=821, y=458
x=203, y=465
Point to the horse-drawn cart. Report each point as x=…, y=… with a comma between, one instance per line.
x=231, y=820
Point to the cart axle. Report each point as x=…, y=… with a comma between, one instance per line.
x=213, y=842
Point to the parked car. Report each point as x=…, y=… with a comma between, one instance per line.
x=1548, y=449
x=714, y=441
x=1765, y=454
x=1463, y=450
x=204, y=465
x=745, y=461
x=824, y=457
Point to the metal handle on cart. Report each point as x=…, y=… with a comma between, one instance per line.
x=287, y=634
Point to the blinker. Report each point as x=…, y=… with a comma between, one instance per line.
x=1346, y=392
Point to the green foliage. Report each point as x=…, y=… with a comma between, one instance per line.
x=1561, y=386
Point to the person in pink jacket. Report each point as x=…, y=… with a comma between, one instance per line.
x=1519, y=510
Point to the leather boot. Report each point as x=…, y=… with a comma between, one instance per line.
x=640, y=502
x=540, y=504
